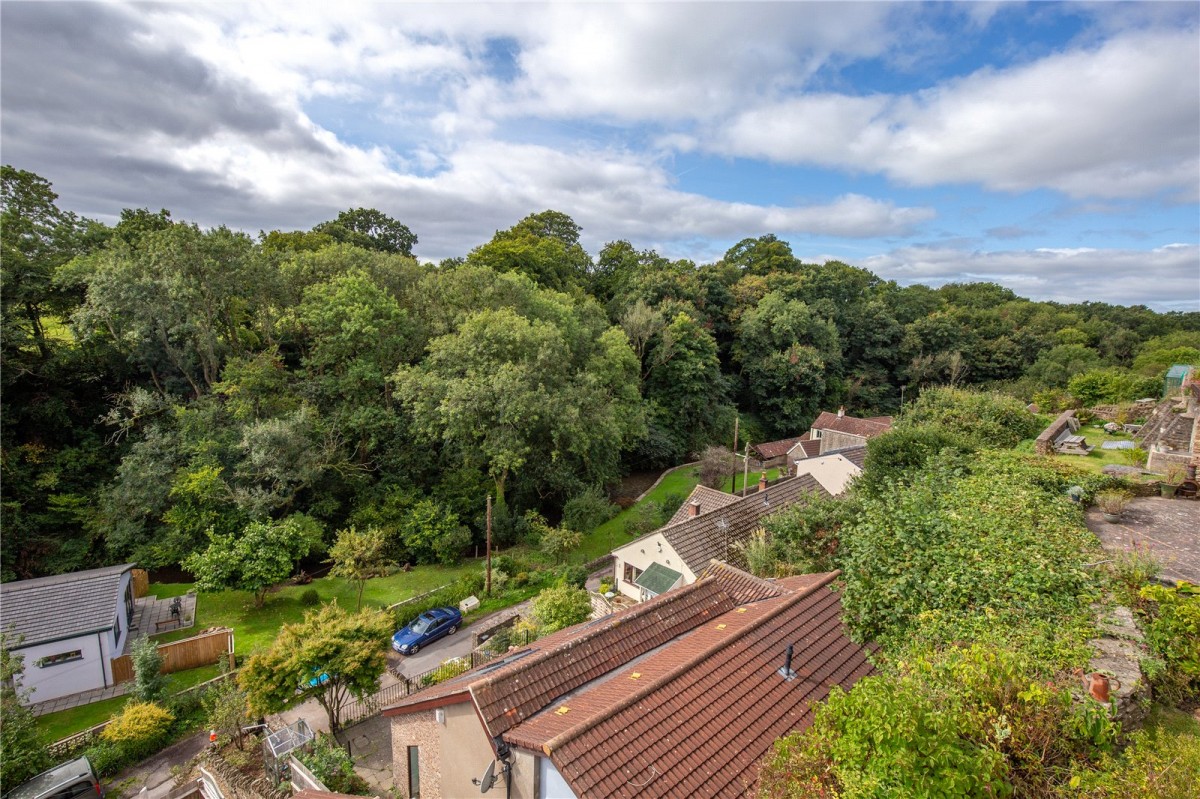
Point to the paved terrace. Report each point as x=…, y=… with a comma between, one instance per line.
x=1169, y=528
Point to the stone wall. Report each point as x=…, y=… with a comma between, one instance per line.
x=1044, y=444
x=1118, y=653
x=420, y=730
x=1133, y=410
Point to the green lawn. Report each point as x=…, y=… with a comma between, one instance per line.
x=1099, y=458
x=55, y=726
x=255, y=628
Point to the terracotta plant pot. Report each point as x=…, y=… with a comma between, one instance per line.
x=1098, y=685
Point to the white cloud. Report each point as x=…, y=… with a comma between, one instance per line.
x=1167, y=277
x=1120, y=120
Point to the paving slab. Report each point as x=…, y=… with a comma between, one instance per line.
x=1168, y=528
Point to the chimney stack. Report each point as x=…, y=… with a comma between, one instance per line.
x=762, y=480
x=694, y=509
x=841, y=411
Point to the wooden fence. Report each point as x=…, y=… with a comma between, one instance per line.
x=140, y=579
x=199, y=650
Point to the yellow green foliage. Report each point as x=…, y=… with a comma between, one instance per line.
x=138, y=723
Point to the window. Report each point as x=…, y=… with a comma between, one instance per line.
x=816, y=434
x=414, y=772
x=54, y=660
x=117, y=629
x=631, y=573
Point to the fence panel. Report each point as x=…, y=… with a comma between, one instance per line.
x=122, y=669
x=199, y=650
x=140, y=579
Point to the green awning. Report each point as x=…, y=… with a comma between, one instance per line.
x=657, y=579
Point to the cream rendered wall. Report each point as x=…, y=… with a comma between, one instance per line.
x=640, y=554
x=833, y=472
x=466, y=753
x=524, y=775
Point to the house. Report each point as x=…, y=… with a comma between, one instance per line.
x=683, y=695
x=714, y=524
x=839, y=431
x=805, y=447
x=68, y=628
x=773, y=453
x=835, y=469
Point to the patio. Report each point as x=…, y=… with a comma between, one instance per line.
x=152, y=616
x=1169, y=528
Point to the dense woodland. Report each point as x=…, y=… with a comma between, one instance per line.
x=164, y=383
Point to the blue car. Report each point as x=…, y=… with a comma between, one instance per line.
x=425, y=629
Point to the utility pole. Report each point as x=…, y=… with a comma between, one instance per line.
x=736, y=419
x=901, y=400
x=489, y=544
x=733, y=473
x=746, y=468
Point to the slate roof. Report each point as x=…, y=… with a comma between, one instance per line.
x=700, y=540
x=710, y=499
x=856, y=455
x=774, y=449
x=61, y=606
x=696, y=717
x=853, y=425
x=657, y=579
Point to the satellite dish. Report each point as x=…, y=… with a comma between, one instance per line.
x=488, y=779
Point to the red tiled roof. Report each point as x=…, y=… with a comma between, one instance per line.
x=809, y=448
x=700, y=540
x=852, y=425
x=696, y=717
x=774, y=449
x=710, y=499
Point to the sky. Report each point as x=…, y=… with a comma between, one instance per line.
x=1053, y=148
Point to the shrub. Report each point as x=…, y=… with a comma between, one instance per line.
x=1131, y=569
x=556, y=542
x=333, y=766
x=471, y=584
x=901, y=453
x=149, y=683
x=645, y=518
x=559, y=607
x=1158, y=764
x=588, y=510
x=1113, y=502
x=310, y=598
x=575, y=576
x=1173, y=634
x=960, y=553
x=717, y=465
x=988, y=419
x=139, y=727
x=979, y=721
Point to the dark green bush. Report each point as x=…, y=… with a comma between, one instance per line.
x=588, y=510
x=575, y=576
x=310, y=598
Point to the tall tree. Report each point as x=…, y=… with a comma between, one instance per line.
x=371, y=230
x=263, y=555
x=21, y=747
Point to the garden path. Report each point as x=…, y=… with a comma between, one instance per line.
x=1169, y=528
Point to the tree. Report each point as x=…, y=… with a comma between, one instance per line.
x=330, y=656
x=559, y=607
x=149, y=683
x=432, y=534
x=226, y=708
x=359, y=556
x=716, y=465
x=21, y=749
x=261, y=556
x=369, y=229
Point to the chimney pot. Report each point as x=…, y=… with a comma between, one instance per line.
x=694, y=509
x=762, y=482
x=841, y=411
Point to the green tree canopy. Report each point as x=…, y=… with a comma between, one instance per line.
x=262, y=555
x=331, y=656
x=371, y=230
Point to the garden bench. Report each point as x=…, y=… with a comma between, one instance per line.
x=1072, y=445
x=175, y=621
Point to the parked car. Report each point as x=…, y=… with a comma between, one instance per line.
x=425, y=629
x=67, y=781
